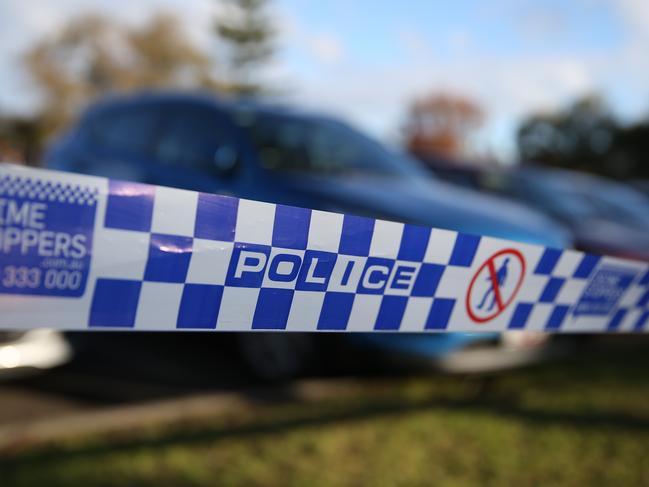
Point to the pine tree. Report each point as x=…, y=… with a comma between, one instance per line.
x=246, y=34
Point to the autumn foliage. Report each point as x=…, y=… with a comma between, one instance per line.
x=438, y=125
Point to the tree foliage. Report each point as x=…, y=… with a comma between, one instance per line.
x=439, y=125
x=586, y=136
x=246, y=36
x=93, y=55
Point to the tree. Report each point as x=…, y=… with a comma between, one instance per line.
x=439, y=125
x=93, y=55
x=246, y=35
x=629, y=155
x=579, y=137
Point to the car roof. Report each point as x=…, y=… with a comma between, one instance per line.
x=206, y=98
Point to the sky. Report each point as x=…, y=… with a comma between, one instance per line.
x=367, y=60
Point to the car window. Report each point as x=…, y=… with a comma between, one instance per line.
x=194, y=136
x=127, y=129
x=294, y=144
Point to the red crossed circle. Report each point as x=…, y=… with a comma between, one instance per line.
x=500, y=304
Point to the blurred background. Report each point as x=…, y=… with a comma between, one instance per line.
x=526, y=120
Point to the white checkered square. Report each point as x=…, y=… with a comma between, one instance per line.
x=416, y=314
x=174, y=211
x=454, y=279
x=532, y=287
x=305, y=311
x=364, y=312
x=158, y=306
x=539, y=316
x=237, y=308
x=440, y=246
x=255, y=221
x=325, y=231
x=120, y=254
x=386, y=239
x=209, y=262
x=571, y=291
x=567, y=264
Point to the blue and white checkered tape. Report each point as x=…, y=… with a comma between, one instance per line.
x=79, y=252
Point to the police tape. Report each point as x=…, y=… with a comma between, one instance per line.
x=82, y=252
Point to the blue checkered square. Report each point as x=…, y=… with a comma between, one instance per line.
x=114, y=303
x=216, y=217
x=273, y=307
x=199, y=306
x=440, y=314
x=414, y=242
x=464, y=250
x=169, y=257
x=427, y=280
x=391, y=312
x=335, y=311
x=356, y=236
x=291, y=228
x=586, y=266
x=548, y=261
x=520, y=316
x=129, y=206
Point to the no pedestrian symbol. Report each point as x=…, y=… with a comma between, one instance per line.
x=495, y=285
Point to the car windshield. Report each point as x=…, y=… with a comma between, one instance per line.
x=321, y=146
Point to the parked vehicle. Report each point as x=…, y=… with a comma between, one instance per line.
x=23, y=352
x=276, y=154
x=605, y=216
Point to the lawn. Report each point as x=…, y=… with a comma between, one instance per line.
x=575, y=422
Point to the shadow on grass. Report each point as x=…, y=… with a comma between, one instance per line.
x=362, y=411
x=491, y=397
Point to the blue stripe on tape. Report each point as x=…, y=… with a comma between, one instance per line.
x=642, y=321
x=129, y=206
x=586, y=266
x=557, y=317
x=273, y=307
x=216, y=217
x=440, y=314
x=291, y=228
x=464, y=250
x=335, y=312
x=548, y=260
x=114, y=303
x=391, y=312
x=551, y=290
x=199, y=306
x=414, y=242
x=520, y=316
x=615, y=322
x=356, y=235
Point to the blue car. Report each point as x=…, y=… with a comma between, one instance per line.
x=280, y=155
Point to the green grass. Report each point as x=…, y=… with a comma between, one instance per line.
x=572, y=423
